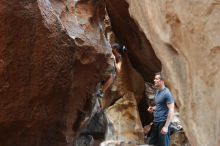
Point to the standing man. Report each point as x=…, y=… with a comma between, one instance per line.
x=163, y=113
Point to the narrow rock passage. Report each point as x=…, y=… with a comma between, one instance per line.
x=55, y=53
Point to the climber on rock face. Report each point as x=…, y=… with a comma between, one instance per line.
x=115, y=62
x=163, y=113
x=116, y=50
x=110, y=88
x=121, y=100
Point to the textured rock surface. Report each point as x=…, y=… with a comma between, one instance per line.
x=51, y=58
x=124, y=124
x=123, y=121
x=185, y=37
x=53, y=53
x=179, y=139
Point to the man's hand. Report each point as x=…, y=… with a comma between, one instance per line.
x=164, y=130
x=151, y=109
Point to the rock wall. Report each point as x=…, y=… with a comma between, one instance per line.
x=124, y=123
x=52, y=55
x=185, y=37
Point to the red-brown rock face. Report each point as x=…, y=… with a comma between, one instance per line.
x=54, y=52
x=49, y=66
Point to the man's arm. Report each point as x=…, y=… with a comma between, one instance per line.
x=169, y=118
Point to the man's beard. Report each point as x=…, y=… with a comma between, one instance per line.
x=156, y=85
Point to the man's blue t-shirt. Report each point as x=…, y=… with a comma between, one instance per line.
x=162, y=98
